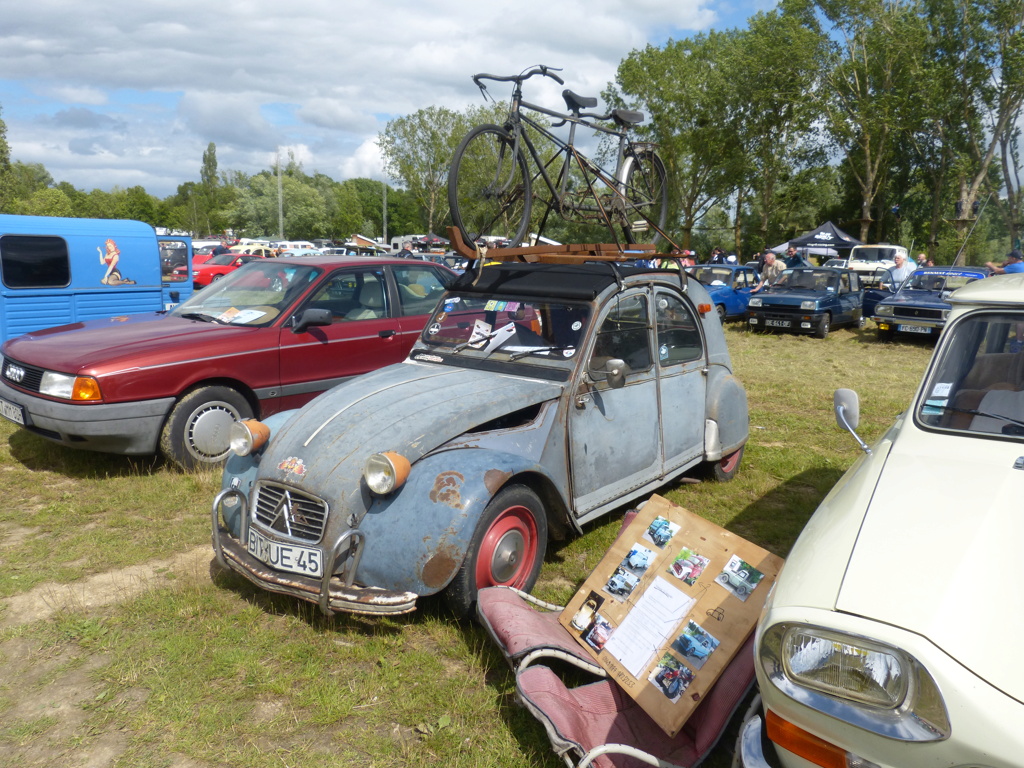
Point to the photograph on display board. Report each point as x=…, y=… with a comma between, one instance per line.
x=584, y=618
x=621, y=584
x=661, y=531
x=688, y=566
x=671, y=677
x=599, y=633
x=739, y=577
x=637, y=561
x=695, y=644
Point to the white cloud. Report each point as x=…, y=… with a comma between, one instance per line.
x=135, y=95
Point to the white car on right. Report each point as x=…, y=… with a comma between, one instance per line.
x=891, y=637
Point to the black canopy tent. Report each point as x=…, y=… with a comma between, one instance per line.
x=828, y=235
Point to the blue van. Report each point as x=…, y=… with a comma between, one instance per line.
x=55, y=271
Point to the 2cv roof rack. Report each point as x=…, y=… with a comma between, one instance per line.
x=573, y=253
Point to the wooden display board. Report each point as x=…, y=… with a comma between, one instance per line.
x=669, y=606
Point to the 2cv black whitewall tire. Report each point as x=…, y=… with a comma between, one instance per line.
x=507, y=547
x=196, y=432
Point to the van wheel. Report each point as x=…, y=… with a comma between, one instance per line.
x=196, y=432
x=507, y=548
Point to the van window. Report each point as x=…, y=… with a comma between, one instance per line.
x=34, y=261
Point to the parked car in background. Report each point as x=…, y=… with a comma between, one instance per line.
x=921, y=305
x=728, y=285
x=528, y=405
x=808, y=300
x=267, y=337
x=296, y=252
x=217, y=266
x=871, y=651
x=252, y=249
x=865, y=259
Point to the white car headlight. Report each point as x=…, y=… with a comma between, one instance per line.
x=384, y=472
x=808, y=304
x=883, y=310
x=754, y=302
x=858, y=680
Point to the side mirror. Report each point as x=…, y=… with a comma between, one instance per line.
x=616, y=370
x=847, y=409
x=311, y=317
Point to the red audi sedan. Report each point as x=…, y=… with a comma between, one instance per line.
x=267, y=337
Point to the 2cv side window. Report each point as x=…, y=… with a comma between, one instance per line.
x=624, y=334
x=679, y=339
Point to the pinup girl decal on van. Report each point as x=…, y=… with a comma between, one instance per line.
x=110, y=257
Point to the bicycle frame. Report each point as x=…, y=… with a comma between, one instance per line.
x=590, y=170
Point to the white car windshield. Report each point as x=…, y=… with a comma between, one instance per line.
x=977, y=385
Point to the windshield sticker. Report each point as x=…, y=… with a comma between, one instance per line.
x=568, y=352
x=934, y=407
x=434, y=329
x=942, y=389
x=577, y=325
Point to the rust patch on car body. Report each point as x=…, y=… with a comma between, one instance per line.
x=441, y=566
x=494, y=479
x=447, y=489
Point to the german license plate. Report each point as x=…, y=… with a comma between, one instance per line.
x=286, y=557
x=914, y=328
x=12, y=411
x=777, y=323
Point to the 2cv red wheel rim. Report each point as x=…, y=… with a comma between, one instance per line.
x=728, y=463
x=508, y=549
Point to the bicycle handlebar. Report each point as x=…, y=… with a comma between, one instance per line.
x=541, y=70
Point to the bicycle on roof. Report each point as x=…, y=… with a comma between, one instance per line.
x=491, y=190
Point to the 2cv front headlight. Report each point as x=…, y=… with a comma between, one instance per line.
x=248, y=436
x=384, y=472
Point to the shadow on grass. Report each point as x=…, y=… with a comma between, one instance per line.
x=38, y=454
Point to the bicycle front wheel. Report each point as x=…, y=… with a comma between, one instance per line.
x=489, y=187
x=644, y=185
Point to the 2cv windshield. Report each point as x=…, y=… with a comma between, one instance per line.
x=533, y=331
x=977, y=385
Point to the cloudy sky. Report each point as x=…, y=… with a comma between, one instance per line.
x=125, y=93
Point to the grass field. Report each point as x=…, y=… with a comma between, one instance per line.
x=120, y=644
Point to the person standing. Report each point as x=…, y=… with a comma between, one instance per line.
x=773, y=267
x=901, y=271
x=1012, y=265
x=406, y=252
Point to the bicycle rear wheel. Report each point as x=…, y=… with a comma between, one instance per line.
x=644, y=184
x=489, y=187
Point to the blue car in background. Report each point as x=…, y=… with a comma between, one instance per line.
x=920, y=306
x=729, y=286
x=808, y=300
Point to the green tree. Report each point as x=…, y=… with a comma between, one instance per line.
x=47, y=202
x=6, y=191
x=417, y=151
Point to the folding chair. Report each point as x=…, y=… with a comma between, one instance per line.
x=526, y=629
x=599, y=725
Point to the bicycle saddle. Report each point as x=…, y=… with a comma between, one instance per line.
x=575, y=102
x=626, y=117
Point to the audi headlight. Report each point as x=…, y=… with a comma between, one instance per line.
x=754, y=302
x=384, y=472
x=808, y=304
x=883, y=310
x=864, y=682
x=69, y=387
x=248, y=436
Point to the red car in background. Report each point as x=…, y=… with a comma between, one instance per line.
x=265, y=338
x=217, y=266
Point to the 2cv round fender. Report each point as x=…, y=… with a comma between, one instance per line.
x=418, y=537
x=727, y=418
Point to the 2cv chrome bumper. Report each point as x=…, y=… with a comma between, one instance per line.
x=332, y=591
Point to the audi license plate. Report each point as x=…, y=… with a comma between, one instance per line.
x=777, y=323
x=286, y=557
x=914, y=328
x=12, y=411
